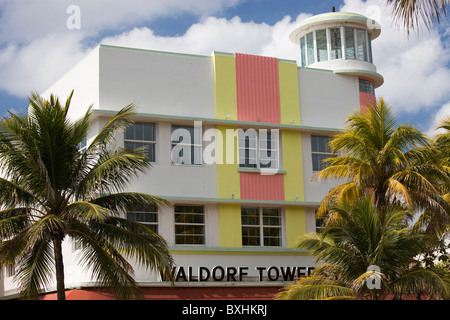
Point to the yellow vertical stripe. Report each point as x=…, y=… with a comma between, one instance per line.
x=289, y=96
x=292, y=151
x=227, y=163
x=295, y=225
x=225, y=86
x=293, y=165
x=230, y=231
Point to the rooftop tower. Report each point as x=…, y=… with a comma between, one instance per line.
x=341, y=42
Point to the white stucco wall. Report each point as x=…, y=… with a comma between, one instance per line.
x=326, y=99
x=159, y=83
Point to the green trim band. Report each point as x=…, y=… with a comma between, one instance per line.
x=225, y=122
x=235, y=251
x=242, y=201
x=106, y=46
x=255, y=170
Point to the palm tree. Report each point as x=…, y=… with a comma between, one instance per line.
x=393, y=162
x=368, y=253
x=411, y=12
x=51, y=190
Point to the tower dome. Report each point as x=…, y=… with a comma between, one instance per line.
x=341, y=42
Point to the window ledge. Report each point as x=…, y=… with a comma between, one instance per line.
x=261, y=171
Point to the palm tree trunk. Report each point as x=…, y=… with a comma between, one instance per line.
x=59, y=265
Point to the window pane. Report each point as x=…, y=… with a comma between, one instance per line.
x=268, y=149
x=250, y=216
x=303, y=51
x=149, y=148
x=146, y=215
x=310, y=47
x=250, y=236
x=149, y=133
x=189, y=224
x=366, y=86
x=320, y=150
x=261, y=226
x=271, y=217
x=140, y=131
x=272, y=237
x=189, y=218
x=349, y=44
x=362, y=44
x=188, y=209
x=336, y=45
x=248, y=148
x=321, y=43
x=370, y=48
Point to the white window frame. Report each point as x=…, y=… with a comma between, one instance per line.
x=143, y=211
x=145, y=142
x=190, y=224
x=261, y=226
x=327, y=154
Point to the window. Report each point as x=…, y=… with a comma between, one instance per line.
x=261, y=227
x=366, y=86
x=310, y=47
x=361, y=40
x=303, y=51
x=140, y=135
x=320, y=151
x=145, y=215
x=322, y=46
x=320, y=223
x=259, y=149
x=350, y=43
x=186, y=145
x=336, y=45
x=189, y=224
x=10, y=270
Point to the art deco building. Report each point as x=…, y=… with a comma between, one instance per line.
x=234, y=140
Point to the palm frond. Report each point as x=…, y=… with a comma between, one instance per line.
x=35, y=269
x=411, y=14
x=316, y=288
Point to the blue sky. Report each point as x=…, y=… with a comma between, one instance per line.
x=36, y=47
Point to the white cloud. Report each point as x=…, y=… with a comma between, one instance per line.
x=36, y=47
x=441, y=114
x=23, y=21
x=217, y=34
x=35, y=66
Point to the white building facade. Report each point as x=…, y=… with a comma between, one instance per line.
x=241, y=198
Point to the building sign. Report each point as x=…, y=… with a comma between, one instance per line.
x=234, y=274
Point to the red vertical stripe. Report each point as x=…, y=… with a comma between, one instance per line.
x=366, y=100
x=262, y=187
x=257, y=88
x=258, y=100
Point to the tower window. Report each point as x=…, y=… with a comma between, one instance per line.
x=350, y=44
x=366, y=86
x=321, y=43
x=310, y=48
x=361, y=40
x=336, y=45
